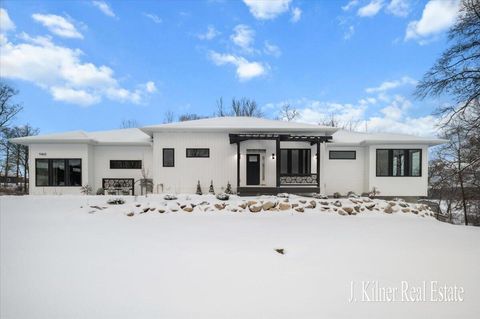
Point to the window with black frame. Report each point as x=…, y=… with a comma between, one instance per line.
x=399, y=162
x=168, y=157
x=125, y=164
x=342, y=155
x=197, y=152
x=58, y=172
x=295, y=161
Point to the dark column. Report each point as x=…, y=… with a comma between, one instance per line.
x=238, y=166
x=278, y=160
x=318, y=163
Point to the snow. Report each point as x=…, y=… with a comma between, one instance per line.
x=239, y=124
x=61, y=258
x=360, y=138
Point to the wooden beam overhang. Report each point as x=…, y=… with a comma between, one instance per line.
x=312, y=139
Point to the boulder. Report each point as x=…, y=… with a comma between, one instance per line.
x=352, y=194
x=255, y=208
x=268, y=205
x=388, y=209
x=251, y=202
x=311, y=204
x=169, y=197
x=222, y=196
x=353, y=200
x=130, y=214
x=370, y=206
x=349, y=210
x=406, y=210
x=324, y=203
x=341, y=212
x=283, y=195
x=357, y=208
x=415, y=212
x=403, y=204
x=284, y=206
x=273, y=209
x=337, y=203
x=392, y=203
x=299, y=209
x=188, y=209
x=294, y=205
x=161, y=211
x=243, y=205
x=319, y=196
x=303, y=201
x=220, y=206
x=234, y=210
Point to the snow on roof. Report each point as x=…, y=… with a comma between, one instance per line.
x=239, y=124
x=130, y=136
x=358, y=138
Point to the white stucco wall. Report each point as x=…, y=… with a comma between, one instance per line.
x=343, y=175
x=398, y=186
x=58, y=151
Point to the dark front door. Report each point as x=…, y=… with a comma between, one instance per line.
x=253, y=169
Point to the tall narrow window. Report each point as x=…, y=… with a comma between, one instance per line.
x=415, y=164
x=382, y=162
x=168, y=157
x=41, y=172
x=75, y=172
x=58, y=172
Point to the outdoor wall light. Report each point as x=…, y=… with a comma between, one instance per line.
x=273, y=156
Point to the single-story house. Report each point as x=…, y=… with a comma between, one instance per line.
x=254, y=155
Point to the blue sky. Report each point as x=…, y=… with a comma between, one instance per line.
x=92, y=64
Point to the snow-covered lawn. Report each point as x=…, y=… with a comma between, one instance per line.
x=61, y=258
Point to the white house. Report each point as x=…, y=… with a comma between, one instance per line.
x=256, y=156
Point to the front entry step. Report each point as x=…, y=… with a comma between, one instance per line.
x=255, y=191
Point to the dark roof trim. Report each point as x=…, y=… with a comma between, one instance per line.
x=237, y=138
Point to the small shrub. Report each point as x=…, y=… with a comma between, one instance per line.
x=228, y=190
x=100, y=191
x=352, y=194
x=374, y=193
x=115, y=201
x=210, y=189
x=199, y=189
x=223, y=196
x=86, y=190
x=337, y=195
x=169, y=197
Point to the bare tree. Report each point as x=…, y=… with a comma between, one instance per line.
x=129, y=124
x=288, y=113
x=168, y=117
x=190, y=117
x=333, y=121
x=8, y=109
x=457, y=72
x=241, y=107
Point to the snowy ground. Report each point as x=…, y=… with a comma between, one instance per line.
x=61, y=258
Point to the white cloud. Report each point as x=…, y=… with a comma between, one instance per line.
x=371, y=9
x=437, y=16
x=69, y=95
x=243, y=37
x=150, y=87
x=388, y=85
x=5, y=23
x=156, y=19
x=350, y=5
x=399, y=8
x=296, y=15
x=61, y=71
x=267, y=9
x=349, y=32
x=104, y=7
x=271, y=49
x=246, y=70
x=57, y=25
x=210, y=34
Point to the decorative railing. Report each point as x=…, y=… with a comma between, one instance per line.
x=118, y=186
x=298, y=179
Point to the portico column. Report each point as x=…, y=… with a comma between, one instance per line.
x=278, y=159
x=323, y=152
x=238, y=166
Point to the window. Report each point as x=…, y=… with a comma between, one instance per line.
x=198, y=152
x=346, y=155
x=125, y=164
x=168, y=157
x=58, y=172
x=295, y=161
x=399, y=162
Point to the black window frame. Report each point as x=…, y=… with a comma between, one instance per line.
x=124, y=164
x=50, y=172
x=407, y=170
x=197, y=149
x=289, y=162
x=341, y=151
x=163, y=157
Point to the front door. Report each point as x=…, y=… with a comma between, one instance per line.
x=253, y=169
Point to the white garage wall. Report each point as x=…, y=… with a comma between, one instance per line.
x=399, y=186
x=58, y=151
x=344, y=175
x=103, y=155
